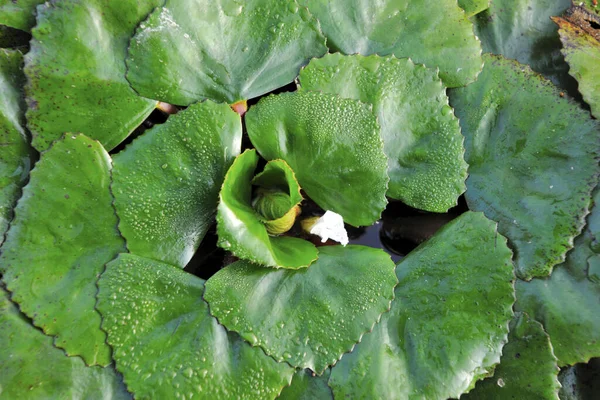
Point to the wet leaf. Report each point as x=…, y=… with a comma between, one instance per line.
x=447, y=324
x=166, y=183
x=527, y=368
x=532, y=159
x=425, y=147
x=438, y=36
x=332, y=144
x=64, y=231
x=76, y=71
x=168, y=346
x=16, y=156
x=308, y=317
x=226, y=50
x=307, y=386
x=32, y=368
x=19, y=14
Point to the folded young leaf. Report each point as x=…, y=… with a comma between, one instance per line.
x=64, y=231
x=532, y=158
x=166, y=183
x=421, y=136
x=168, y=346
x=448, y=321
x=308, y=317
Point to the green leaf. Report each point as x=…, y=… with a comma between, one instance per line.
x=76, y=71
x=241, y=230
x=166, y=183
x=19, y=14
x=309, y=317
x=64, y=231
x=424, y=148
x=522, y=30
x=582, y=53
x=332, y=144
x=307, y=386
x=447, y=324
x=532, y=159
x=567, y=302
x=438, y=36
x=226, y=50
x=527, y=368
x=168, y=346
x=473, y=7
x=32, y=368
x=16, y=156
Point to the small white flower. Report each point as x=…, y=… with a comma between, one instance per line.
x=330, y=226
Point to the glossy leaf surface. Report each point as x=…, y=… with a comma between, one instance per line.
x=527, y=368
x=32, y=368
x=64, y=231
x=225, y=50
x=76, y=71
x=166, y=183
x=332, y=144
x=567, y=302
x=308, y=386
x=447, y=324
x=532, y=159
x=168, y=346
x=241, y=229
x=19, y=14
x=16, y=155
x=439, y=37
x=309, y=317
x=421, y=136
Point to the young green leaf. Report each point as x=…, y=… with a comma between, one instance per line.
x=166, y=183
x=76, y=71
x=421, y=135
x=447, y=324
x=308, y=317
x=332, y=144
x=64, y=231
x=226, y=50
x=532, y=159
x=168, y=346
x=437, y=35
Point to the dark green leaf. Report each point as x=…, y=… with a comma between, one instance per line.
x=76, y=71
x=308, y=386
x=332, y=144
x=168, y=346
x=19, y=14
x=64, y=231
x=307, y=317
x=421, y=136
x=437, y=35
x=166, y=183
x=532, y=159
x=227, y=50
x=447, y=324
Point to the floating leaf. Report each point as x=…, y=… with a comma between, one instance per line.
x=473, y=7
x=527, y=367
x=421, y=136
x=64, y=231
x=532, y=159
x=581, y=49
x=226, y=50
x=19, y=14
x=168, y=346
x=16, y=155
x=437, y=36
x=76, y=71
x=241, y=230
x=308, y=317
x=166, y=183
x=567, y=302
x=32, y=368
x=307, y=386
x=332, y=144
x=447, y=324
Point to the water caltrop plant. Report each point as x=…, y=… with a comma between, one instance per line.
x=140, y=138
